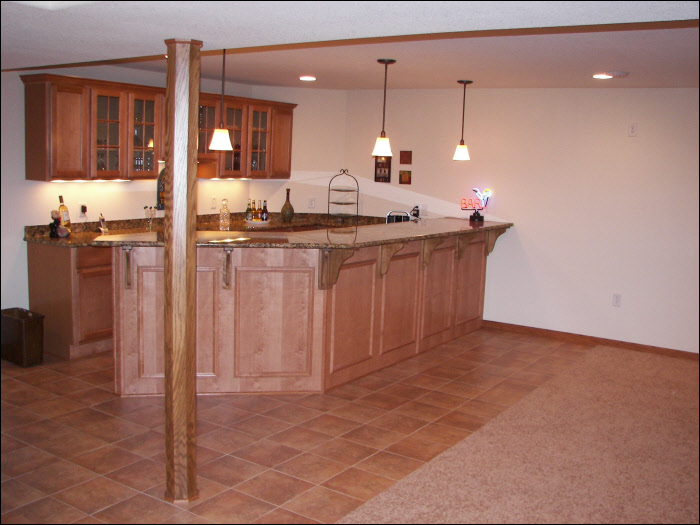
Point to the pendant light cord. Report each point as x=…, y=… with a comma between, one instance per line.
x=464, y=99
x=386, y=72
x=223, y=72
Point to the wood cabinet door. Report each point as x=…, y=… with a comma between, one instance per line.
x=145, y=142
x=281, y=158
x=233, y=164
x=108, y=120
x=259, y=141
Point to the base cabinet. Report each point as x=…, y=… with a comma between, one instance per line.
x=72, y=288
x=256, y=313
x=264, y=323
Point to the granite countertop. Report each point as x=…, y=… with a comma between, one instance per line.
x=279, y=235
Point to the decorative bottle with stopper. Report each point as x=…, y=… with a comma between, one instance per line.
x=224, y=216
x=287, y=213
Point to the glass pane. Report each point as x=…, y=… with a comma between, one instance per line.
x=230, y=117
x=256, y=119
x=150, y=111
x=211, y=113
x=101, y=107
x=138, y=136
x=237, y=161
x=149, y=135
x=114, y=160
x=113, y=133
x=202, y=116
x=236, y=140
x=261, y=159
x=101, y=159
x=138, y=110
x=254, y=161
x=148, y=161
x=138, y=161
x=101, y=134
x=113, y=108
x=238, y=120
x=202, y=141
x=262, y=142
x=263, y=120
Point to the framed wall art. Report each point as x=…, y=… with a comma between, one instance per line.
x=404, y=177
x=382, y=169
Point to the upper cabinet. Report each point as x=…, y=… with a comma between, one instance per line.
x=261, y=136
x=80, y=129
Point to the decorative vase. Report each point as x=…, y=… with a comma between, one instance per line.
x=287, y=213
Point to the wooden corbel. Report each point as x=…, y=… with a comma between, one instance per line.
x=463, y=241
x=491, y=237
x=329, y=266
x=386, y=252
x=427, y=249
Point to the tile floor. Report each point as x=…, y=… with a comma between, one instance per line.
x=73, y=452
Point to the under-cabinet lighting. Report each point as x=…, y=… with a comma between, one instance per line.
x=607, y=75
x=307, y=78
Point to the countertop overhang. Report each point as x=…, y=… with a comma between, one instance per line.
x=352, y=237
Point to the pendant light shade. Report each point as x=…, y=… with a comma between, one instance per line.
x=221, y=140
x=462, y=153
x=382, y=148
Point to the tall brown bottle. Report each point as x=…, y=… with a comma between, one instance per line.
x=287, y=213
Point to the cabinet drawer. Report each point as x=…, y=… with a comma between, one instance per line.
x=89, y=257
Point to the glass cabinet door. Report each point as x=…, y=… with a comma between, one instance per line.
x=208, y=115
x=259, y=140
x=146, y=135
x=108, y=120
x=235, y=120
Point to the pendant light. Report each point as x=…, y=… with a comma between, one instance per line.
x=221, y=140
x=462, y=153
x=382, y=148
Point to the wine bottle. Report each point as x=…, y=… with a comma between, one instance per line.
x=259, y=211
x=254, y=212
x=249, y=212
x=264, y=211
x=63, y=212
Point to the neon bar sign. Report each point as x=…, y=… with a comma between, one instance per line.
x=476, y=204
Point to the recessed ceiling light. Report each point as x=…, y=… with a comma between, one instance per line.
x=606, y=75
x=307, y=78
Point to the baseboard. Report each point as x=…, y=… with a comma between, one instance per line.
x=588, y=339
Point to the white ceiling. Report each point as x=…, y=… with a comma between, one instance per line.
x=495, y=44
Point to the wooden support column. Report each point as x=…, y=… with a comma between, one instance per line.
x=180, y=268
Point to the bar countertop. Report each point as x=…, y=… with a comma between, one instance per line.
x=347, y=237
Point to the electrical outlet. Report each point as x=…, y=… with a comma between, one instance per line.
x=83, y=210
x=617, y=300
x=213, y=203
x=312, y=203
x=632, y=129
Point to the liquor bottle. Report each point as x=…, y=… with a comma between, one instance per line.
x=249, y=212
x=224, y=216
x=287, y=212
x=63, y=212
x=254, y=212
x=260, y=211
x=264, y=211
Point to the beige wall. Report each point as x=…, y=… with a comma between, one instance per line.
x=596, y=212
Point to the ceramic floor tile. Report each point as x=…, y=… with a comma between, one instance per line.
x=230, y=471
x=17, y=494
x=300, y=438
x=95, y=495
x=506, y=393
x=311, y=467
x=24, y=460
x=147, y=444
x=322, y=504
x=226, y=440
x=344, y=451
x=138, y=509
x=293, y=414
x=274, y=487
x=383, y=401
x=106, y=459
x=13, y=417
x=57, y=477
x=398, y=423
x=464, y=421
x=140, y=476
x=358, y=483
x=423, y=411
x=405, y=391
x=53, y=407
x=266, y=453
x=207, y=489
x=261, y=426
x=255, y=404
x=372, y=436
x=390, y=465
x=441, y=399
x=416, y=448
x=443, y=434
x=331, y=425
x=232, y=507
x=358, y=412
x=46, y=510
x=283, y=516
x=322, y=402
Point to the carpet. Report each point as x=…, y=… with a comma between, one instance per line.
x=612, y=439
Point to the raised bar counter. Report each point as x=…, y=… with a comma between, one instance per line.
x=283, y=310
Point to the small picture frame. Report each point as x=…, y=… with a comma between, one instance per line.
x=382, y=169
x=406, y=157
x=404, y=177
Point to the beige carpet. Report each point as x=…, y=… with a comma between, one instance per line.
x=613, y=439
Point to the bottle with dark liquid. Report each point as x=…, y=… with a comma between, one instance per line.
x=249, y=212
x=264, y=211
x=254, y=212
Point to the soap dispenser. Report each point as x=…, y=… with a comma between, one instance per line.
x=224, y=216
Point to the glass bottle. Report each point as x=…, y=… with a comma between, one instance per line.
x=63, y=212
x=264, y=211
x=249, y=212
x=254, y=212
x=260, y=211
x=224, y=216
